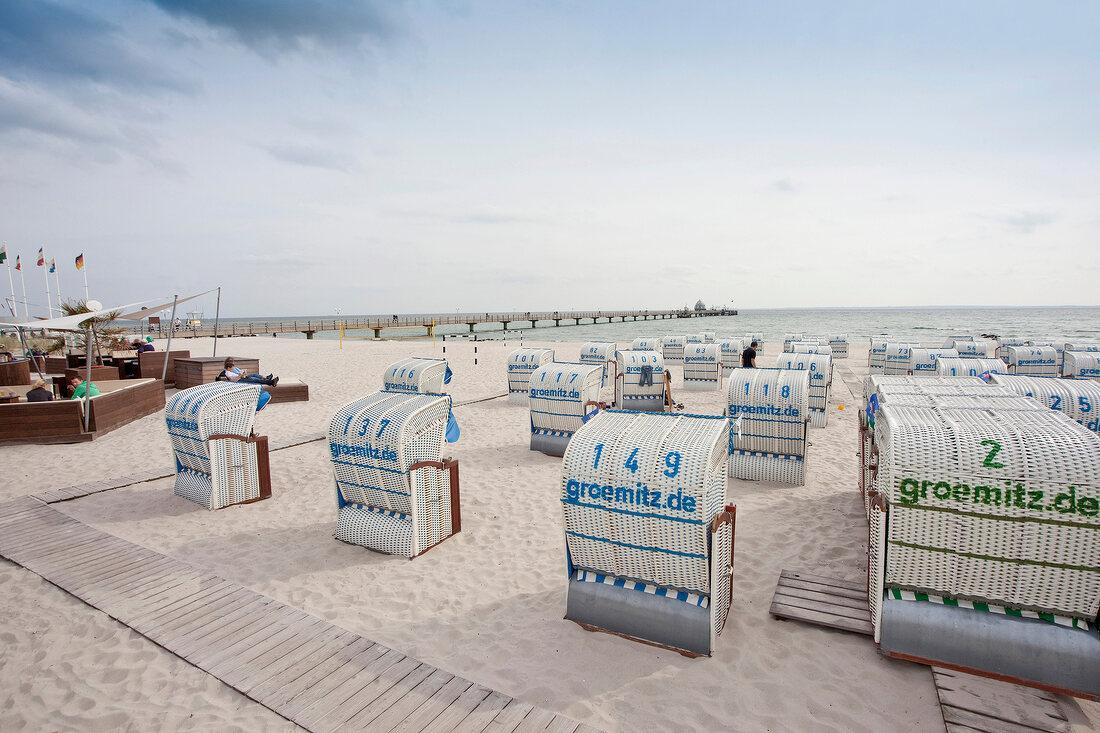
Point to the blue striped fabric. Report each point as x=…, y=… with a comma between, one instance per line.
x=589, y=576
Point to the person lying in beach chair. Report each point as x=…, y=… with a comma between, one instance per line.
x=230, y=373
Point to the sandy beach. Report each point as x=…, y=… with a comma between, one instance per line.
x=486, y=604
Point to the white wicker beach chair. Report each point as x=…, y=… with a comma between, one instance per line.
x=950, y=341
x=1082, y=365
x=218, y=460
x=969, y=349
x=695, y=338
x=985, y=542
x=599, y=352
x=876, y=357
x=969, y=367
x=640, y=381
x=651, y=343
x=790, y=338
x=672, y=347
x=820, y=368
x=702, y=367
x=1082, y=345
x=923, y=360
x=649, y=542
x=559, y=397
x=809, y=347
x=1032, y=361
x=417, y=375
x=394, y=491
x=731, y=349
x=897, y=357
x=757, y=337
x=709, y=337
x=839, y=344
x=521, y=363
x=769, y=410
x=1002, y=344
x=1077, y=399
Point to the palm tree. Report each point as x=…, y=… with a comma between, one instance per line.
x=105, y=336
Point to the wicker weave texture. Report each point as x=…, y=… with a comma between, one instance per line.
x=598, y=352
x=969, y=367
x=650, y=343
x=755, y=466
x=672, y=347
x=897, y=357
x=922, y=360
x=992, y=505
x=1033, y=361
x=372, y=442
x=558, y=393
x=876, y=356
x=1002, y=344
x=639, y=491
x=192, y=416
x=1082, y=365
x=630, y=366
x=416, y=375
x=521, y=363
x=838, y=342
x=731, y=349
x=768, y=410
x=702, y=366
x=1077, y=399
x=757, y=337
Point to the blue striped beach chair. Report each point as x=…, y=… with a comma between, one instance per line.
x=649, y=540
x=395, y=493
x=417, y=375
x=984, y=542
x=218, y=461
x=702, y=367
x=1078, y=399
x=820, y=368
x=646, y=343
x=1032, y=361
x=672, y=348
x=599, y=352
x=521, y=363
x=922, y=360
x=839, y=344
x=640, y=381
x=963, y=366
x=731, y=349
x=769, y=411
x=559, y=398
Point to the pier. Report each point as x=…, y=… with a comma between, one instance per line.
x=506, y=321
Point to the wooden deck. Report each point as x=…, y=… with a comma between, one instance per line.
x=971, y=704
x=837, y=604
x=317, y=675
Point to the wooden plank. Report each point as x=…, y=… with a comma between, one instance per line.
x=294, y=665
x=323, y=639
x=483, y=714
x=316, y=683
x=839, y=587
x=781, y=599
x=810, y=596
x=821, y=619
x=284, y=622
x=315, y=704
x=469, y=701
x=561, y=724
x=69, y=566
x=998, y=701
x=536, y=720
x=172, y=631
x=261, y=628
x=431, y=708
x=157, y=567
x=403, y=700
x=159, y=626
x=43, y=535
x=411, y=670
x=296, y=636
x=510, y=717
x=207, y=633
x=102, y=569
x=188, y=599
x=954, y=717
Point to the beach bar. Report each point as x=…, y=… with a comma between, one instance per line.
x=649, y=539
x=395, y=492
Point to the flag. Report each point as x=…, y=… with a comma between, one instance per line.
x=80, y=261
x=41, y=257
x=17, y=265
x=53, y=265
x=3, y=253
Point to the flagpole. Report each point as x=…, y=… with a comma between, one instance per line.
x=168, y=348
x=11, y=282
x=57, y=282
x=26, y=308
x=46, y=275
x=217, y=315
x=84, y=269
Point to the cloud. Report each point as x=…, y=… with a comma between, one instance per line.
x=784, y=185
x=1028, y=222
x=483, y=216
x=311, y=156
x=45, y=40
x=25, y=107
x=290, y=25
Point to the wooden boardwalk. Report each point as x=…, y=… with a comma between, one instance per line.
x=317, y=675
x=838, y=604
x=972, y=704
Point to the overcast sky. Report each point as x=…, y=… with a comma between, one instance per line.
x=309, y=155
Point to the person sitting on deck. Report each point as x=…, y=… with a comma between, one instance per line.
x=80, y=387
x=143, y=346
x=233, y=374
x=38, y=392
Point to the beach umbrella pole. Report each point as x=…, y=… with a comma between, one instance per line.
x=171, y=329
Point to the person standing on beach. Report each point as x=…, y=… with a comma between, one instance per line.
x=748, y=356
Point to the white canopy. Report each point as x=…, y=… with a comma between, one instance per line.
x=133, y=311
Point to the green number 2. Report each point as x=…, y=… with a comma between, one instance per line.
x=989, y=462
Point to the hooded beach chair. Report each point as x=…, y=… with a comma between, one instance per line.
x=598, y=352
x=418, y=375
x=820, y=368
x=769, y=411
x=672, y=348
x=395, y=493
x=731, y=349
x=521, y=363
x=963, y=366
x=218, y=460
x=702, y=367
x=649, y=540
x=1032, y=361
x=640, y=381
x=1078, y=399
x=839, y=344
x=559, y=396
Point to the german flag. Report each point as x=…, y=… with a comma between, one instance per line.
x=80, y=261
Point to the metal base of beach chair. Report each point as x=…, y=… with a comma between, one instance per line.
x=642, y=616
x=818, y=418
x=643, y=404
x=752, y=466
x=1030, y=651
x=550, y=442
